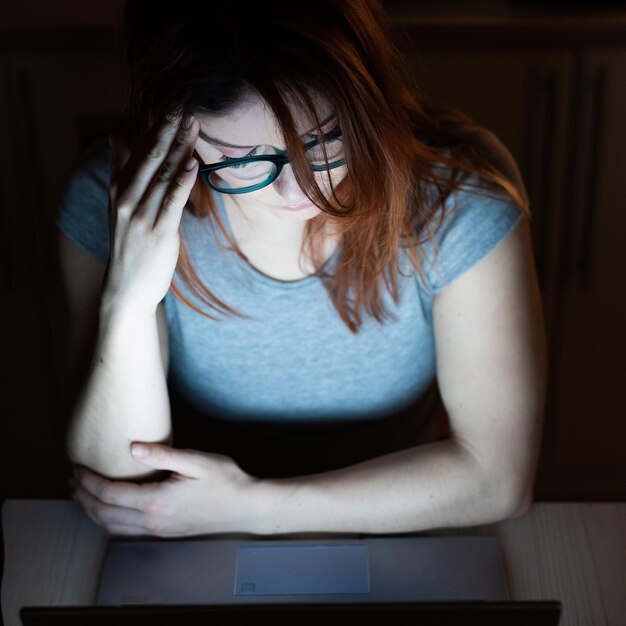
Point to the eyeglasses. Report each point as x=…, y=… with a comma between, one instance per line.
x=250, y=173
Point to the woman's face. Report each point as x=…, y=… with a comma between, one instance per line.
x=252, y=125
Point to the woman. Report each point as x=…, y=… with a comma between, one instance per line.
x=335, y=250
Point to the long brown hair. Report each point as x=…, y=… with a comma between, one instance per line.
x=203, y=57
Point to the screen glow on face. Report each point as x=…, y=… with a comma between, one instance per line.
x=248, y=174
x=232, y=164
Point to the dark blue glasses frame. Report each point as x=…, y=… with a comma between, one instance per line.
x=279, y=160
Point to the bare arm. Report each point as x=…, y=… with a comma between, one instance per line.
x=108, y=356
x=491, y=366
x=124, y=397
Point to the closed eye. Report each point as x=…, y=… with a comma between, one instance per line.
x=251, y=153
x=335, y=133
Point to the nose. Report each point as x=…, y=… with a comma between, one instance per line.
x=287, y=187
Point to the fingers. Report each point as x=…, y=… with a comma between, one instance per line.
x=159, y=182
x=109, y=516
x=120, y=507
x=120, y=155
x=119, y=151
x=125, y=529
x=113, y=492
x=131, y=176
x=159, y=456
x=174, y=183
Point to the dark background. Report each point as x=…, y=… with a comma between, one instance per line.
x=548, y=78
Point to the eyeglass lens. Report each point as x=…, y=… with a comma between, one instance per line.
x=254, y=174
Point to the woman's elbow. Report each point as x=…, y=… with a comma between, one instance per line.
x=515, y=503
x=522, y=506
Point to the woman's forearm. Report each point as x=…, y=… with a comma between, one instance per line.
x=124, y=398
x=435, y=485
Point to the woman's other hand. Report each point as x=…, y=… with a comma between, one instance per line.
x=205, y=493
x=148, y=192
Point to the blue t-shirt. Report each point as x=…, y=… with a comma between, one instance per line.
x=294, y=360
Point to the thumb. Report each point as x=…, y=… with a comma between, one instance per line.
x=120, y=151
x=161, y=456
x=119, y=157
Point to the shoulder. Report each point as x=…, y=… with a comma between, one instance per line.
x=94, y=162
x=473, y=219
x=83, y=211
x=497, y=153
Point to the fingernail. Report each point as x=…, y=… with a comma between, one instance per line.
x=138, y=449
x=187, y=121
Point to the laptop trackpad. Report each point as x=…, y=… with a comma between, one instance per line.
x=296, y=570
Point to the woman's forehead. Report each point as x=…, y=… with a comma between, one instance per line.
x=252, y=123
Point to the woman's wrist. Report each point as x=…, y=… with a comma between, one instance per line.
x=117, y=310
x=265, y=505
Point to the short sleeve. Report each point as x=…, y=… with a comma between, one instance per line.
x=473, y=225
x=475, y=220
x=83, y=212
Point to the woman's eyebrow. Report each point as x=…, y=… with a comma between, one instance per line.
x=219, y=142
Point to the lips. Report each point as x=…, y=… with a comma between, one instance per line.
x=298, y=207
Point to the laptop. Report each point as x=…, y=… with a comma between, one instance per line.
x=387, y=569
x=544, y=613
x=445, y=581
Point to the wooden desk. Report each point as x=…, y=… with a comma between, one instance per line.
x=575, y=553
